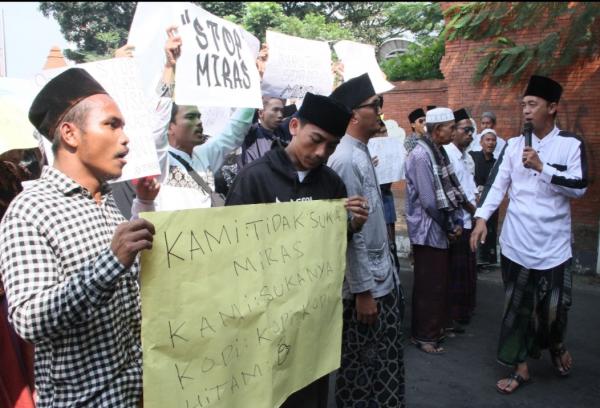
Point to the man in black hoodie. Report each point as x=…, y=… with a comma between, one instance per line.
x=299, y=173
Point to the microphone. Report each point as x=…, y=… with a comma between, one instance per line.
x=527, y=131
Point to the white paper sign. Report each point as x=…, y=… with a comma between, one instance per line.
x=148, y=35
x=296, y=66
x=216, y=67
x=391, y=153
x=120, y=78
x=360, y=58
x=214, y=119
x=16, y=132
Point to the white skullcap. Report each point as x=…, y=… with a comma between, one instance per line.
x=439, y=115
x=486, y=131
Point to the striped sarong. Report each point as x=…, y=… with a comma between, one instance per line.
x=535, y=310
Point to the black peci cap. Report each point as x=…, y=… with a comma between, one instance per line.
x=354, y=92
x=461, y=114
x=58, y=96
x=544, y=88
x=416, y=114
x=325, y=113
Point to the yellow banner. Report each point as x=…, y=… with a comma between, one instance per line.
x=241, y=305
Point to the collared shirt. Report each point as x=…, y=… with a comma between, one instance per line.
x=424, y=222
x=70, y=296
x=463, y=165
x=537, y=228
x=369, y=263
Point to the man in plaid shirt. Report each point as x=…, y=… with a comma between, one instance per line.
x=68, y=258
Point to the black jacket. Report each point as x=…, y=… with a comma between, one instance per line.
x=272, y=178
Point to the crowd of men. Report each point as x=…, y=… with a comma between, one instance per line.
x=69, y=259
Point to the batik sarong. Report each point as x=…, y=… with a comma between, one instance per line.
x=372, y=369
x=535, y=310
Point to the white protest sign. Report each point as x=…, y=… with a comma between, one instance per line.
x=296, y=66
x=16, y=132
x=120, y=78
x=360, y=58
x=214, y=119
x=391, y=153
x=216, y=66
x=148, y=35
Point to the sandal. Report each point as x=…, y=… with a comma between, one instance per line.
x=516, y=377
x=557, y=360
x=430, y=348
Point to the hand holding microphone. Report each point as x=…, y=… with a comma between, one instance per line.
x=531, y=159
x=527, y=132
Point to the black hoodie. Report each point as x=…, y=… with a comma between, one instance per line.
x=273, y=178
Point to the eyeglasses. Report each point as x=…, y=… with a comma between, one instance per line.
x=421, y=120
x=467, y=129
x=375, y=105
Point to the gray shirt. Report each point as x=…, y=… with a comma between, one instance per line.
x=369, y=264
x=423, y=219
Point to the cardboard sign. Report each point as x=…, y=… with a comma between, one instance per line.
x=241, y=306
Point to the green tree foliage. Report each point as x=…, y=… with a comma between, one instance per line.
x=263, y=16
x=505, y=60
x=418, y=63
x=97, y=28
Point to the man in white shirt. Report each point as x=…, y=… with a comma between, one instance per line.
x=542, y=172
x=462, y=279
x=186, y=158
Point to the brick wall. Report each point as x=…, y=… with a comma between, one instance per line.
x=410, y=95
x=579, y=111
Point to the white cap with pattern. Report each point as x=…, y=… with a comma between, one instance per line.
x=439, y=115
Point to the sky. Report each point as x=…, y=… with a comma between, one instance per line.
x=29, y=36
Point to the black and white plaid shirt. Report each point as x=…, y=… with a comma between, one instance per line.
x=70, y=296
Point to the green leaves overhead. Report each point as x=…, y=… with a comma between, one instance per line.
x=505, y=60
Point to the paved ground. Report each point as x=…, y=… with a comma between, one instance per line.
x=466, y=374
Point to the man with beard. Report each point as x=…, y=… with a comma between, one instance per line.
x=541, y=171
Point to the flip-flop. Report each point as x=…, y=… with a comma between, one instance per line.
x=513, y=377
